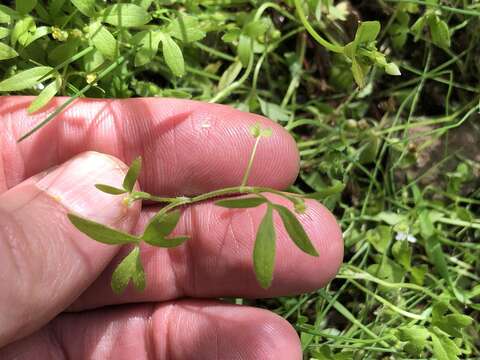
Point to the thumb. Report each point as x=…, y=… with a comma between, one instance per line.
x=45, y=263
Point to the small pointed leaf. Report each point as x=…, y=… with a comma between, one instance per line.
x=6, y=52
x=129, y=268
x=25, y=79
x=264, y=250
x=295, y=230
x=125, y=15
x=45, y=95
x=132, y=174
x=110, y=189
x=241, y=203
x=173, y=56
x=161, y=226
x=100, y=232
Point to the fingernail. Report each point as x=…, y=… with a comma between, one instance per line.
x=73, y=185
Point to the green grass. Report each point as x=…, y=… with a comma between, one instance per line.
x=392, y=159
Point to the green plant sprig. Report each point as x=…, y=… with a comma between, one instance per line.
x=159, y=229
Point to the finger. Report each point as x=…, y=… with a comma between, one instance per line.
x=45, y=263
x=188, y=147
x=217, y=260
x=178, y=330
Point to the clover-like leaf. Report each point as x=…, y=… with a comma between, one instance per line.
x=159, y=227
x=100, y=232
x=295, y=230
x=132, y=174
x=264, y=250
x=130, y=268
x=248, y=202
x=110, y=189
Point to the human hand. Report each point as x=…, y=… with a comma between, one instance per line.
x=47, y=266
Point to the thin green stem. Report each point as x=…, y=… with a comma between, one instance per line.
x=250, y=162
x=328, y=45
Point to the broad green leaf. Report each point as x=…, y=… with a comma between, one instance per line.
x=25, y=79
x=6, y=52
x=110, y=189
x=45, y=95
x=23, y=29
x=417, y=27
x=4, y=32
x=295, y=230
x=380, y=238
x=63, y=52
x=426, y=225
x=130, y=268
x=416, y=338
x=25, y=6
x=437, y=257
x=148, y=42
x=264, y=250
x=54, y=6
x=186, y=28
x=39, y=32
x=173, y=56
x=125, y=15
x=359, y=72
x=86, y=7
x=257, y=28
x=230, y=75
x=452, y=324
x=367, y=31
x=244, y=49
x=100, y=232
x=132, y=174
x=103, y=40
x=248, y=202
x=273, y=111
x=402, y=252
x=439, y=32
x=161, y=226
x=444, y=348
x=7, y=14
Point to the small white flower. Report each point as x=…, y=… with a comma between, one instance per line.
x=412, y=239
x=401, y=236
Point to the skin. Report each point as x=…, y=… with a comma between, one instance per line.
x=55, y=297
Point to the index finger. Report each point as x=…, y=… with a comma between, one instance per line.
x=188, y=147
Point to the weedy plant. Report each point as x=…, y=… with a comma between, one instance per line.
x=157, y=232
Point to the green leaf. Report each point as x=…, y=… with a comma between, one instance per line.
x=130, y=268
x=417, y=28
x=39, y=32
x=4, y=32
x=45, y=95
x=110, y=189
x=54, y=6
x=86, y=7
x=273, y=111
x=173, y=56
x=359, y=72
x=444, y=348
x=160, y=226
x=132, y=174
x=25, y=79
x=148, y=46
x=380, y=238
x=402, y=252
x=367, y=31
x=23, y=29
x=452, y=324
x=416, y=336
x=103, y=40
x=25, y=6
x=230, y=75
x=439, y=32
x=100, y=232
x=295, y=230
x=264, y=250
x=6, y=52
x=125, y=15
x=248, y=202
x=63, y=51
x=7, y=14
x=244, y=49
x=186, y=28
